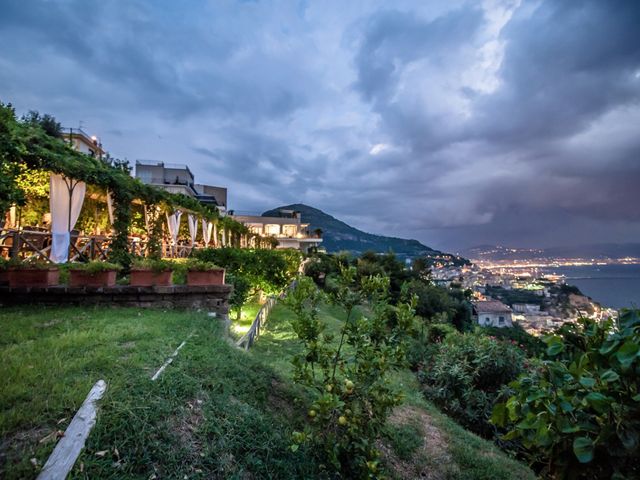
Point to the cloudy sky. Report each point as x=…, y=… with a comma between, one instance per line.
x=454, y=122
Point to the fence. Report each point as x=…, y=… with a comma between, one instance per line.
x=249, y=338
x=36, y=245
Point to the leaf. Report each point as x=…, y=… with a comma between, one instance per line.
x=598, y=401
x=608, y=346
x=587, y=382
x=583, y=449
x=609, y=376
x=499, y=414
x=554, y=345
x=627, y=353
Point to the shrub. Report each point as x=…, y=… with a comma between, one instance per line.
x=351, y=395
x=240, y=293
x=95, y=266
x=578, y=415
x=267, y=270
x=464, y=374
x=155, y=264
x=533, y=346
x=196, y=265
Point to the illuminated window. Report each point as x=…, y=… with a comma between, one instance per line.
x=289, y=230
x=272, y=229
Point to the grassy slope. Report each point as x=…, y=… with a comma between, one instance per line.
x=216, y=412
x=454, y=453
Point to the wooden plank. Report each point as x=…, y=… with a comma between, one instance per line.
x=170, y=359
x=68, y=449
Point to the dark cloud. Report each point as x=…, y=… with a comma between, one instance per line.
x=456, y=123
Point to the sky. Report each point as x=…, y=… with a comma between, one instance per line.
x=457, y=123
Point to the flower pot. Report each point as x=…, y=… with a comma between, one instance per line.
x=82, y=278
x=33, y=277
x=141, y=277
x=206, y=277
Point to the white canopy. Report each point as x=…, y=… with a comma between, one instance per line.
x=193, y=227
x=207, y=228
x=173, y=223
x=65, y=201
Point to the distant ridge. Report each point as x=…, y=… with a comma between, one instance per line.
x=338, y=236
x=599, y=251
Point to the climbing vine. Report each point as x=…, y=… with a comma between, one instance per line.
x=25, y=147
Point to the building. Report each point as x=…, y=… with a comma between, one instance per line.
x=83, y=142
x=179, y=179
x=287, y=228
x=492, y=313
x=526, y=308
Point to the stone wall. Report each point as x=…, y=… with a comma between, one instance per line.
x=214, y=298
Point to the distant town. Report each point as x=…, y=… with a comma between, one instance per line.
x=507, y=291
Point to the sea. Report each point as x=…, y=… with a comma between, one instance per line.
x=615, y=286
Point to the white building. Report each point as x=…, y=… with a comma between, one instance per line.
x=493, y=313
x=288, y=229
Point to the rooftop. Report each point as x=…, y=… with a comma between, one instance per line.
x=491, y=306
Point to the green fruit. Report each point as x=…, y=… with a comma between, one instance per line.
x=349, y=384
x=328, y=388
x=342, y=420
x=312, y=413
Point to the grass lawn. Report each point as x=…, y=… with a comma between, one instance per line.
x=216, y=412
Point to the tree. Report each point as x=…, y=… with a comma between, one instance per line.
x=47, y=122
x=351, y=395
x=578, y=414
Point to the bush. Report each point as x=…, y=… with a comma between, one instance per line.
x=347, y=379
x=155, y=264
x=578, y=415
x=464, y=373
x=267, y=270
x=533, y=346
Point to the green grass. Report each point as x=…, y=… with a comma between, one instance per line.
x=248, y=314
x=216, y=412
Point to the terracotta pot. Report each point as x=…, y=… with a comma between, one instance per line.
x=207, y=277
x=82, y=278
x=33, y=277
x=141, y=277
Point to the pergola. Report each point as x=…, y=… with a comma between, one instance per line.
x=70, y=174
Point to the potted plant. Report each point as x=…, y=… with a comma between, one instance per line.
x=93, y=274
x=147, y=272
x=204, y=273
x=32, y=274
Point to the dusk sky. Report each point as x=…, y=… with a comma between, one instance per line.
x=456, y=123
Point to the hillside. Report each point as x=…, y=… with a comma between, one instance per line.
x=338, y=236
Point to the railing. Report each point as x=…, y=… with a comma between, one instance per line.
x=252, y=335
x=249, y=338
x=36, y=245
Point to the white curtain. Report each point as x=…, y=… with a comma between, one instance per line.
x=173, y=222
x=65, y=201
x=110, y=207
x=207, y=228
x=193, y=227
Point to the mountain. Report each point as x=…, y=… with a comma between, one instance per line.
x=338, y=236
x=600, y=251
